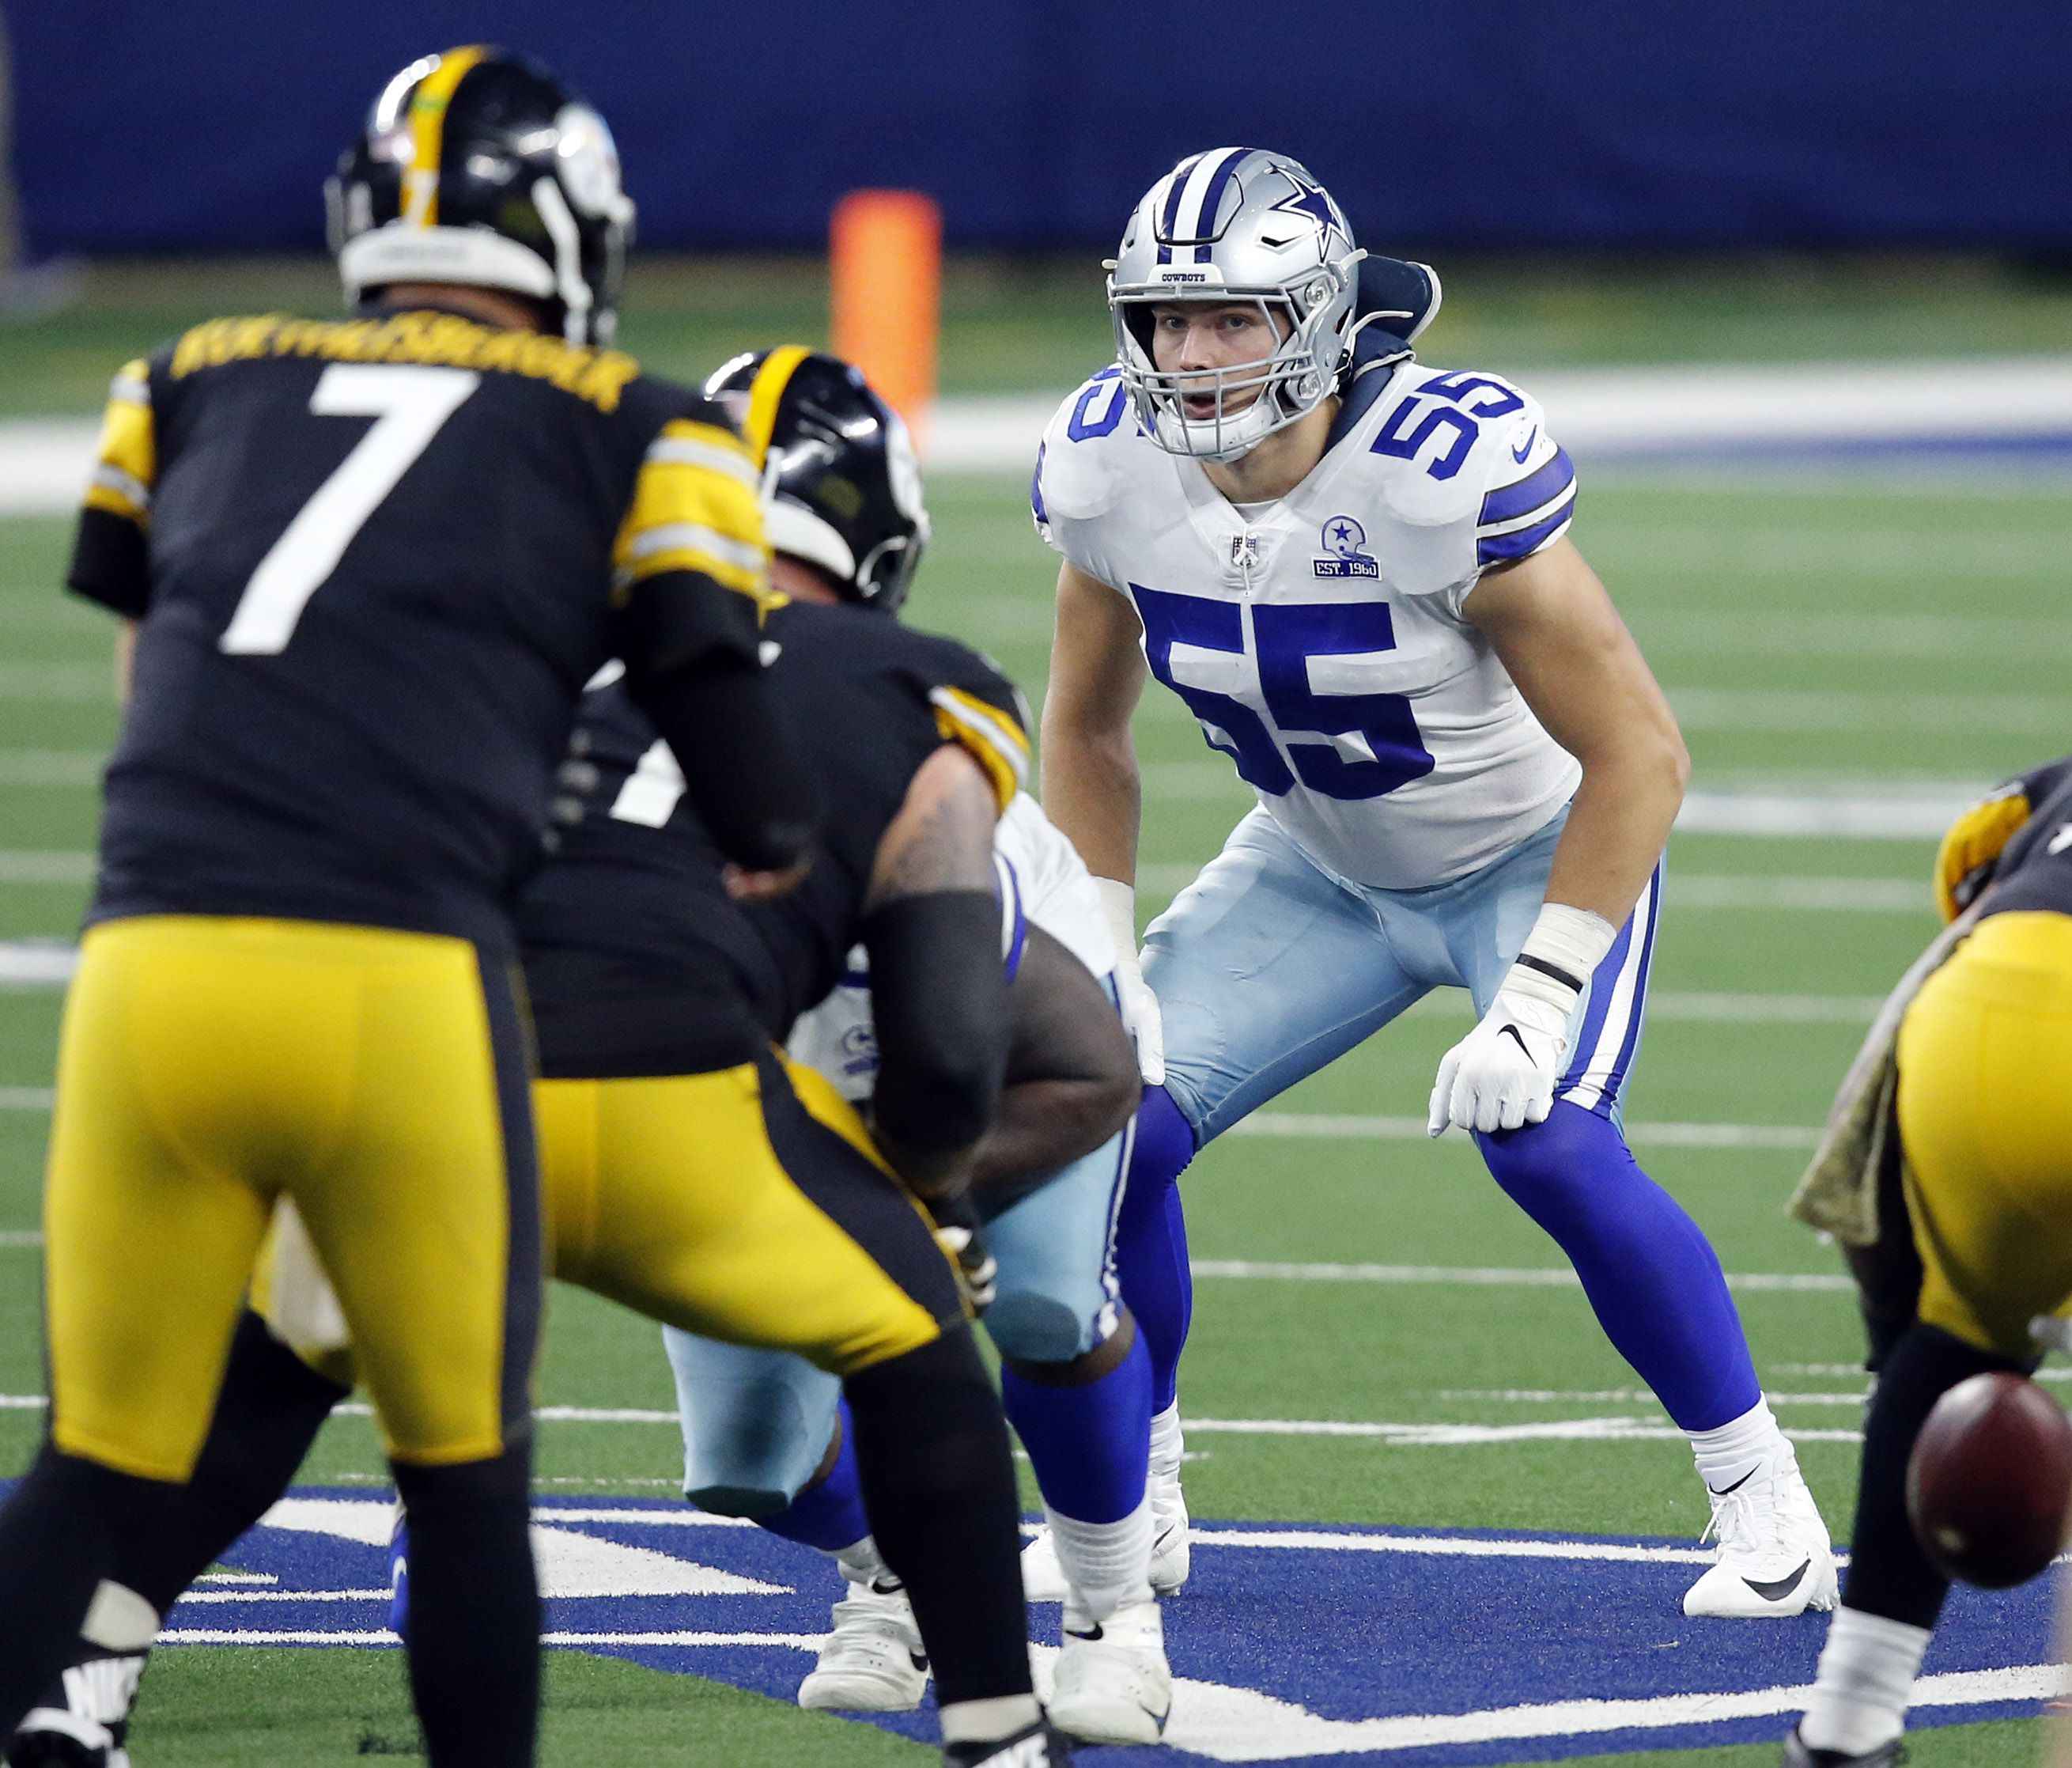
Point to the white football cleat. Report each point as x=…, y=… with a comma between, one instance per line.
x=1169, y=1507
x=874, y=1661
x=1774, y=1556
x=1042, y=1577
x=1112, y=1684
x=1169, y=1533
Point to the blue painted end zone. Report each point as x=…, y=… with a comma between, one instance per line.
x=1311, y=1637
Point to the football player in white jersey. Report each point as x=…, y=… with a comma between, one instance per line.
x=1354, y=570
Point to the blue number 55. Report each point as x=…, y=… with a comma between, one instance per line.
x=1287, y=637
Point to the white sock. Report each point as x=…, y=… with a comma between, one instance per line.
x=1107, y=1564
x=988, y=1721
x=1167, y=1443
x=861, y=1562
x=1729, y=1454
x=1866, y=1675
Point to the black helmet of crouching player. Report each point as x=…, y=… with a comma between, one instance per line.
x=841, y=487
x=480, y=166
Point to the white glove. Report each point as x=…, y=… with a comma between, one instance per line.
x=1140, y=1006
x=1501, y=1075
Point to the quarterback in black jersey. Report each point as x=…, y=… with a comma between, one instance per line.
x=692, y=1174
x=1980, y=1172
x=370, y=565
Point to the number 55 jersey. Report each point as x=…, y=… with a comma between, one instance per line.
x=1319, y=640
x=375, y=560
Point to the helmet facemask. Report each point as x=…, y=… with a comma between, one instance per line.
x=1299, y=373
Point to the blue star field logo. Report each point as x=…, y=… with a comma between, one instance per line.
x=1345, y=541
x=1311, y=200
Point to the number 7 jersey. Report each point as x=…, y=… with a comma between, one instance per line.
x=1319, y=641
x=374, y=561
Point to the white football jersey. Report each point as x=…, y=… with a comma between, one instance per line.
x=1319, y=640
x=1043, y=883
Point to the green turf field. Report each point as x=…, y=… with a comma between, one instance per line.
x=1809, y=632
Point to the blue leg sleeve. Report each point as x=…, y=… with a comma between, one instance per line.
x=828, y=1513
x=1088, y=1444
x=1648, y=1269
x=1151, y=1243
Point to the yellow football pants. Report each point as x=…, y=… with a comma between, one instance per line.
x=210, y=1065
x=1985, y=1115
x=747, y=1205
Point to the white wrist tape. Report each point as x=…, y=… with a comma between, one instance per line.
x=1554, y=964
x=1119, y=904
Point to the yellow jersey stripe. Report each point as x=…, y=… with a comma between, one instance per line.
x=684, y=450
x=993, y=740
x=126, y=462
x=692, y=536
x=428, y=122
x=765, y=392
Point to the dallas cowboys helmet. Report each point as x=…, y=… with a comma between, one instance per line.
x=842, y=486
x=480, y=166
x=1235, y=223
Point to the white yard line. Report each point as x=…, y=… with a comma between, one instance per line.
x=194, y=1597
x=1347, y=1126
x=1910, y=810
x=1488, y=1276
x=1845, y=896
x=1621, y=1396
x=26, y=1099
x=1841, y=709
x=1803, y=632
x=1240, y=1725
x=44, y=866
x=58, y=682
x=20, y=1239
x=51, y=767
x=1419, y=1435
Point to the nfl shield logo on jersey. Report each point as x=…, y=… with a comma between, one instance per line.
x=1345, y=539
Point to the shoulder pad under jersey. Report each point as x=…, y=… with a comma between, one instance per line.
x=1080, y=467
x=1470, y=451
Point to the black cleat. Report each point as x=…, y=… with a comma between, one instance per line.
x=1038, y=1746
x=1798, y=1753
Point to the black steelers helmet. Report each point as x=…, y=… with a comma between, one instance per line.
x=480, y=166
x=842, y=486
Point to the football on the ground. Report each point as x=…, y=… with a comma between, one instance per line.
x=1989, y=1481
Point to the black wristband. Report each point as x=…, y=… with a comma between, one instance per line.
x=1554, y=970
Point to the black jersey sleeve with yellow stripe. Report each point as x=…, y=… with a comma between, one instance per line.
x=690, y=566
x=983, y=714
x=110, y=561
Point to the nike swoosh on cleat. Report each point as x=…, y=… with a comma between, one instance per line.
x=919, y=1661
x=1519, y=454
x=1782, y=1588
x=1094, y=1632
x=1721, y=1491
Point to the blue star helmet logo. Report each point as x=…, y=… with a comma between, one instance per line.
x=1345, y=536
x=1310, y=199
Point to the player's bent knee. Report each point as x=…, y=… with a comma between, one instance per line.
x=752, y=1501
x=1027, y=1325
x=1544, y=1163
